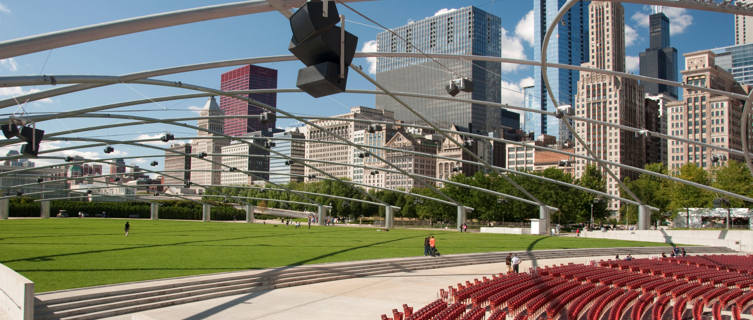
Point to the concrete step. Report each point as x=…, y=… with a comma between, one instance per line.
x=107, y=303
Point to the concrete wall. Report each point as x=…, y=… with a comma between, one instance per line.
x=740, y=240
x=505, y=230
x=16, y=295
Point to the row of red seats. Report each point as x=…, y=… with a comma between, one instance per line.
x=499, y=300
x=579, y=305
x=450, y=313
x=516, y=304
x=640, y=306
x=600, y=304
x=480, y=298
x=660, y=306
x=536, y=306
x=650, y=285
x=476, y=313
x=429, y=310
x=556, y=305
x=622, y=302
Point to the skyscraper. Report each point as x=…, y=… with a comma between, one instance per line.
x=531, y=120
x=247, y=78
x=282, y=170
x=568, y=45
x=609, y=99
x=204, y=171
x=466, y=31
x=704, y=117
x=175, y=163
x=659, y=60
x=743, y=26
x=337, y=153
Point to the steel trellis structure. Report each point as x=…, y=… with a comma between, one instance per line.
x=91, y=82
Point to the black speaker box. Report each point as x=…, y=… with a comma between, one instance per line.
x=307, y=21
x=321, y=79
x=324, y=47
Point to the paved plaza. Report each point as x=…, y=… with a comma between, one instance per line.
x=359, y=298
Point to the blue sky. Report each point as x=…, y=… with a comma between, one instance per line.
x=255, y=36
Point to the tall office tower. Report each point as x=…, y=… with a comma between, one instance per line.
x=743, y=26
x=465, y=31
x=568, y=45
x=704, y=117
x=337, y=153
x=118, y=166
x=659, y=60
x=206, y=171
x=247, y=78
x=656, y=147
x=609, y=99
x=531, y=120
x=291, y=144
x=178, y=166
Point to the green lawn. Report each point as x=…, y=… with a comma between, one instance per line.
x=70, y=253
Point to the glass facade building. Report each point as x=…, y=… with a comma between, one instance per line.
x=737, y=60
x=659, y=60
x=282, y=173
x=246, y=78
x=568, y=45
x=531, y=120
x=465, y=31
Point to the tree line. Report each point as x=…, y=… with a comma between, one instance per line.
x=575, y=205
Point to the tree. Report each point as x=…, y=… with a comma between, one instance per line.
x=652, y=191
x=593, y=179
x=734, y=177
x=684, y=196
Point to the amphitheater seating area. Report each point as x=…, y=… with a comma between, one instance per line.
x=694, y=287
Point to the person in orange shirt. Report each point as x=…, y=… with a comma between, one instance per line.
x=433, y=246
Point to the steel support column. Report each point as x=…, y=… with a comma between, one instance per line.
x=45, y=212
x=461, y=217
x=389, y=217
x=154, y=211
x=4, y=208
x=321, y=214
x=644, y=217
x=206, y=212
x=249, y=213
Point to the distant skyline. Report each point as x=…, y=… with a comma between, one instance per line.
x=260, y=35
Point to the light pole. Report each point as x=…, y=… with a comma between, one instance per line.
x=595, y=200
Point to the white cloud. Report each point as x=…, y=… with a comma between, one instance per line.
x=443, y=11
x=512, y=47
x=196, y=109
x=512, y=93
x=630, y=36
x=19, y=91
x=679, y=18
x=527, y=82
x=9, y=63
x=524, y=29
x=370, y=46
x=632, y=63
x=4, y=9
x=157, y=143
